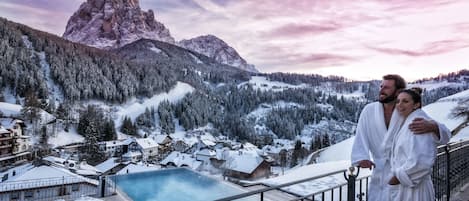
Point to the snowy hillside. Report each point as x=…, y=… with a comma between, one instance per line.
x=440, y=110
x=133, y=108
x=261, y=83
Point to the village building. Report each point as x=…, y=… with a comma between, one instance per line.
x=14, y=144
x=29, y=182
x=245, y=166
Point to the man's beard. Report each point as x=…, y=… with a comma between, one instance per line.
x=388, y=99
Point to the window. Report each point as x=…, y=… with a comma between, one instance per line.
x=14, y=196
x=75, y=187
x=29, y=194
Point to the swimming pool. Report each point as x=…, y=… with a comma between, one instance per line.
x=178, y=184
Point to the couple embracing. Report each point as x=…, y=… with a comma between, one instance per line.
x=396, y=138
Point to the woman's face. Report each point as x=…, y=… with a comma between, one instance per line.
x=405, y=105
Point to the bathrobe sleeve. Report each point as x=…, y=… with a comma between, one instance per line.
x=361, y=144
x=420, y=158
x=445, y=134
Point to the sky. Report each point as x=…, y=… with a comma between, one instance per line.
x=359, y=39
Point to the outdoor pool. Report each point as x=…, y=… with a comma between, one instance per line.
x=178, y=184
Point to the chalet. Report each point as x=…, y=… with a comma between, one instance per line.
x=177, y=159
x=112, y=148
x=245, y=165
x=45, y=183
x=132, y=156
x=205, y=155
x=164, y=143
x=147, y=146
x=14, y=145
x=110, y=166
x=180, y=146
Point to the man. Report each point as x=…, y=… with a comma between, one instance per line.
x=377, y=124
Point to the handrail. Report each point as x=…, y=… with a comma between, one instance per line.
x=444, y=152
x=250, y=193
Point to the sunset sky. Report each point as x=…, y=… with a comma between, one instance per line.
x=358, y=39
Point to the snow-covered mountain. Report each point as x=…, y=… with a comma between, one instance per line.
x=217, y=49
x=111, y=24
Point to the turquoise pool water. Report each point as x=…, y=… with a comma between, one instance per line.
x=174, y=185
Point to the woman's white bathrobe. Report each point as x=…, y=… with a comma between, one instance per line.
x=372, y=137
x=412, y=160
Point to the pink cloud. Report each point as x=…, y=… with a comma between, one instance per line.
x=396, y=5
x=429, y=49
x=295, y=29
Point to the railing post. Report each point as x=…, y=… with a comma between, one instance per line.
x=351, y=184
x=448, y=162
x=102, y=186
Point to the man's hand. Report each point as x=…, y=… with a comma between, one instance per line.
x=421, y=125
x=366, y=164
x=394, y=181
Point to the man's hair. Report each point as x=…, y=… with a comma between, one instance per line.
x=398, y=81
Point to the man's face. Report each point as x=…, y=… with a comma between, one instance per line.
x=387, y=92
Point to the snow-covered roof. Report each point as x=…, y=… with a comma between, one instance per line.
x=43, y=176
x=3, y=130
x=86, y=169
x=207, y=152
x=127, y=141
x=9, y=109
x=107, y=165
x=146, y=143
x=160, y=138
x=54, y=159
x=240, y=161
x=134, y=168
x=208, y=142
x=181, y=159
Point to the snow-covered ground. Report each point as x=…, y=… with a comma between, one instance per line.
x=441, y=109
x=430, y=85
x=261, y=82
x=133, y=108
x=314, y=170
x=9, y=109
x=337, y=152
x=64, y=138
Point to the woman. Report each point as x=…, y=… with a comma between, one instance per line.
x=412, y=155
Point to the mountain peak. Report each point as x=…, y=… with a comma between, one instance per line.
x=114, y=23
x=215, y=48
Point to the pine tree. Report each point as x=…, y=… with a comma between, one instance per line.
x=283, y=159
x=91, y=152
x=128, y=127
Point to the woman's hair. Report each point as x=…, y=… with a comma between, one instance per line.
x=415, y=93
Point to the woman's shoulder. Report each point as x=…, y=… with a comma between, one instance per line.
x=419, y=113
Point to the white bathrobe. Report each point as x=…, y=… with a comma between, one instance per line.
x=373, y=137
x=412, y=160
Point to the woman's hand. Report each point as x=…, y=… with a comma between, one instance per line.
x=394, y=181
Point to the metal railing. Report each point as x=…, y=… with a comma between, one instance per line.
x=350, y=182
x=450, y=174
x=451, y=169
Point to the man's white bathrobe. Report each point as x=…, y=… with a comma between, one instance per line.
x=412, y=159
x=372, y=137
